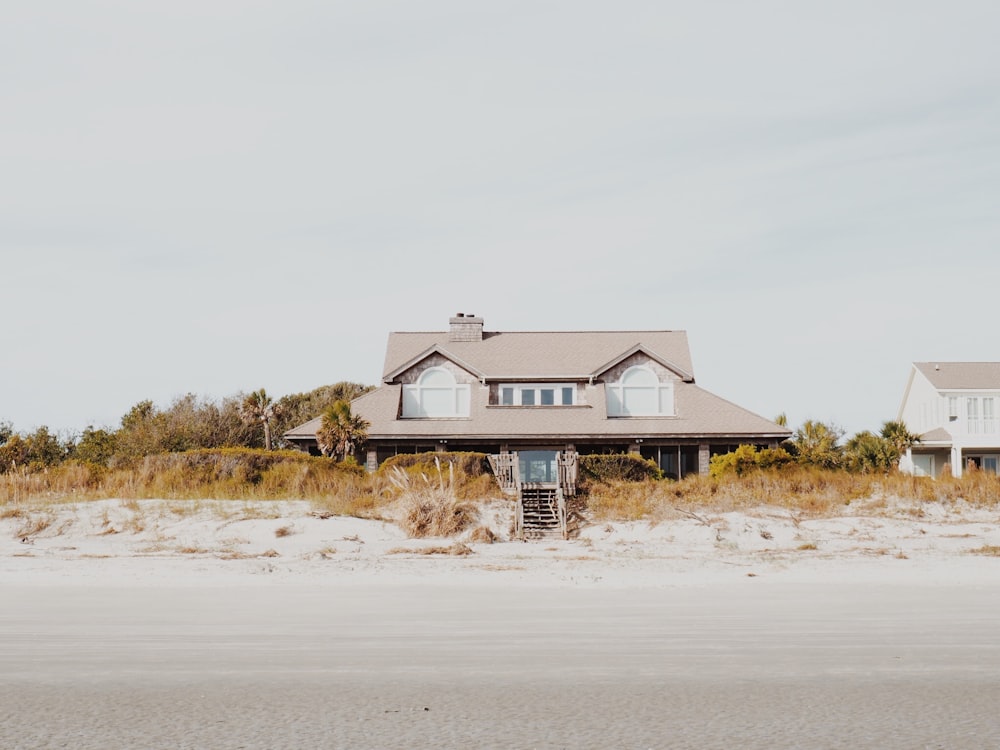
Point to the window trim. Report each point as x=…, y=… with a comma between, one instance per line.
x=517, y=391
x=415, y=393
x=617, y=394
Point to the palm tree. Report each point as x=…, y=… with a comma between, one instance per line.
x=867, y=452
x=817, y=444
x=900, y=437
x=259, y=407
x=340, y=431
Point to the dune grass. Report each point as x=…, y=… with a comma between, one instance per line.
x=443, y=498
x=803, y=490
x=429, y=504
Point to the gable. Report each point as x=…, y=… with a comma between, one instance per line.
x=637, y=355
x=411, y=371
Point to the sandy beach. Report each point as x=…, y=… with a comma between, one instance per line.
x=236, y=625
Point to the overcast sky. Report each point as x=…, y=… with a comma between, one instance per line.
x=219, y=196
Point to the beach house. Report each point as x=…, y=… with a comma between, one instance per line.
x=953, y=407
x=538, y=393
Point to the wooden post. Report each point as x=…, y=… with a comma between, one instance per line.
x=704, y=456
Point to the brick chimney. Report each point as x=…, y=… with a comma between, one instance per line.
x=466, y=327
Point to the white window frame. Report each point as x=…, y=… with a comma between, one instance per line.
x=989, y=423
x=417, y=396
x=972, y=415
x=519, y=393
x=618, y=394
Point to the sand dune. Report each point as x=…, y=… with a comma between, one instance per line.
x=111, y=540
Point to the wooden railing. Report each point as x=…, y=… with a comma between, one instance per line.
x=566, y=463
x=563, y=531
x=507, y=472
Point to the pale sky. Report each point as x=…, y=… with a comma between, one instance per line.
x=219, y=196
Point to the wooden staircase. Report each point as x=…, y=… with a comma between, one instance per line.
x=541, y=506
x=540, y=516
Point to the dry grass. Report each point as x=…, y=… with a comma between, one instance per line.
x=204, y=474
x=282, y=531
x=482, y=535
x=624, y=501
x=990, y=550
x=804, y=490
x=808, y=546
x=456, y=549
x=34, y=524
x=429, y=506
x=440, y=501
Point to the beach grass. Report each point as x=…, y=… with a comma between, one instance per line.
x=443, y=498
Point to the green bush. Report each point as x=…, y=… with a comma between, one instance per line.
x=622, y=467
x=747, y=458
x=469, y=463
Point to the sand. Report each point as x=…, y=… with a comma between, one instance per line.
x=207, y=629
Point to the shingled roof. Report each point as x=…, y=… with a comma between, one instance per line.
x=539, y=355
x=698, y=413
x=580, y=357
x=949, y=376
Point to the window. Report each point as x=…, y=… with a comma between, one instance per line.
x=538, y=466
x=640, y=393
x=972, y=412
x=923, y=465
x=529, y=394
x=989, y=425
x=952, y=408
x=436, y=394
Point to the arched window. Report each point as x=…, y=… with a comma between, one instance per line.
x=639, y=393
x=436, y=394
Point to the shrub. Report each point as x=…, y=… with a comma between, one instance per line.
x=747, y=458
x=469, y=463
x=622, y=467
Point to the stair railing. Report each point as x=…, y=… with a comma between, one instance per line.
x=507, y=472
x=561, y=503
x=518, y=485
x=566, y=471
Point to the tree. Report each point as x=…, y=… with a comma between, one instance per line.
x=298, y=408
x=817, y=444
x=340, y=431
x=95, y=446
x=259, y=407
x=900, y=437
x=867, y=452
x=37, y=450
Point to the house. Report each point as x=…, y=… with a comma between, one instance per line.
x=467, y=389
x=953, y=407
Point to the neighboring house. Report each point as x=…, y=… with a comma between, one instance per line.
x=953, y=407
x=467, y=389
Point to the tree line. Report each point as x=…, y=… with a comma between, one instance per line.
x=245, y=420
x=819, y=444
x=256, y=420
